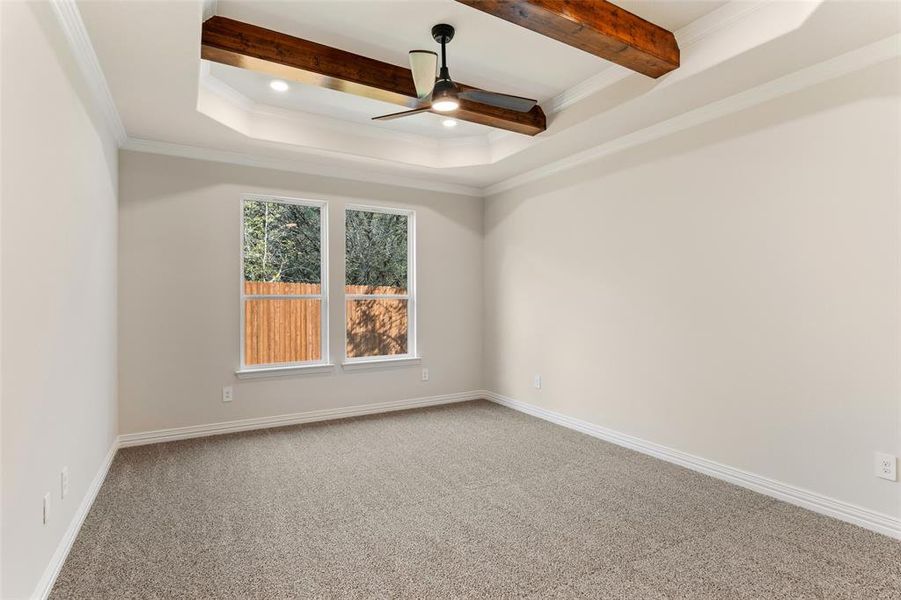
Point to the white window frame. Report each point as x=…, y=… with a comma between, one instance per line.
x=412, y=353
x=322, y=364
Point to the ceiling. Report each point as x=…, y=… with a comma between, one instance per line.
x=486, y=52
x=149, y=53
x=330, y=103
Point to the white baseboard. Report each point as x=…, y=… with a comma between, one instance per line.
x=183, y=433
x=844, y=511
x=851, y=513
x=42, y=590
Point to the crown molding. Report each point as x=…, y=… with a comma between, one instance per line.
x=210, y=83
x=336, y=171
x=717, y=20
x=843, y=64
x=79, y=42
x=692, y=33
x=594, y=84
x=209, y=8
x=69, y=18
x=835, y=67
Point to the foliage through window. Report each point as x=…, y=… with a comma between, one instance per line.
x=379, y=303
x=283, y=299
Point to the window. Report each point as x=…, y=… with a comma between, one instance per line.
x=284, y=304
x=380, y=310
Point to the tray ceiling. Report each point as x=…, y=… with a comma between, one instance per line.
x=149, y=53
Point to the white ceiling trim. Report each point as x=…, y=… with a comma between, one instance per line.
x=71, y=22
x=292, y=129
x=843, y=64
x=83, y=51
x=295, y=166
x=691, y=34
x=712, y=22
x=215, y=85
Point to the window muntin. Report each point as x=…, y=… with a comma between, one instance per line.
x=379, y=292
x=284, y=303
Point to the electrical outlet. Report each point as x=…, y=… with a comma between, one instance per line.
x=425, y=374
x=46, y=508
x=228, y=393
x=64, y=483
x=886, y=466
x=536, y=382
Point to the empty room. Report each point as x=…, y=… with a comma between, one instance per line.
x=450, y=299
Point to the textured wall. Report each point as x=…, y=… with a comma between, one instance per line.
x=731, y=291
x=179, y=282
x=59, y=290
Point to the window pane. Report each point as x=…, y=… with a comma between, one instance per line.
x=282, y=330
x=282, y=248
x=376, y=327
x=376, y=251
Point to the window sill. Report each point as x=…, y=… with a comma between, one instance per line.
x=381, y=363
x=284, y=371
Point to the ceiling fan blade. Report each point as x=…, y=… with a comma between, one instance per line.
x=424, y=66
x=517, y=103
x=405, y=113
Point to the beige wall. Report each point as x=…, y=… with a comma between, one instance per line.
x=59, y=291
x=731, y=291
x=179, y=282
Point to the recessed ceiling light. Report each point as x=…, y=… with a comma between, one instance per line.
x=449, y=123
x=278, y=85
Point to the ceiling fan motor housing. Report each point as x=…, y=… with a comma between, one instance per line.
x=443, y=33
x=442, y=87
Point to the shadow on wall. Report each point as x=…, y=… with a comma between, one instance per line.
x=846, y=90
x=188, y=173
x=48, y=22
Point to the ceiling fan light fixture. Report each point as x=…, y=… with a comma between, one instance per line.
x=444, y=98
x=447, y=105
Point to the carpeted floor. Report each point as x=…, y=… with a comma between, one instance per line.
x=465, y=500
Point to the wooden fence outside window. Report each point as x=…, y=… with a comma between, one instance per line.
x=287, y=330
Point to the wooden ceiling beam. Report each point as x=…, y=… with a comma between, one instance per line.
x=595, y=26
x=247, y=46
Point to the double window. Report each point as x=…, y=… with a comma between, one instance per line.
x=284, y=284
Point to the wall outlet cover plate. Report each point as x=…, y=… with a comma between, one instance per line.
x=887, y=466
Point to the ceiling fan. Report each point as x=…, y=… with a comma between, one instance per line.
x=442, y=94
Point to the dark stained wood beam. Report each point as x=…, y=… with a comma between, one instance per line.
x=595, y=26
x=247, y=46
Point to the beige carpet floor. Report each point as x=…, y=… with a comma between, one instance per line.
x=467, y=500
